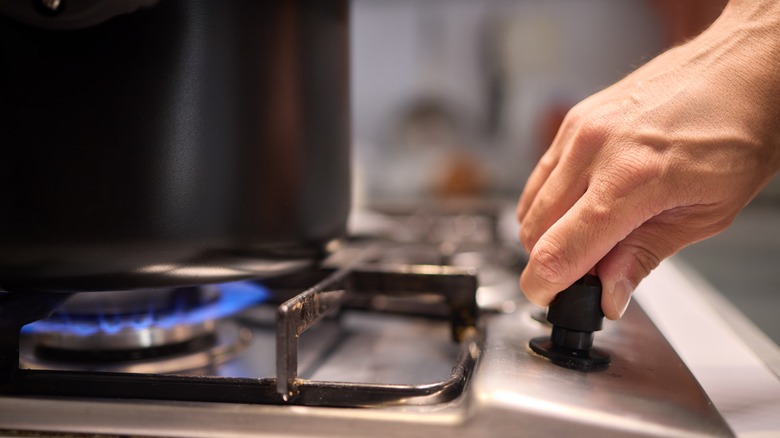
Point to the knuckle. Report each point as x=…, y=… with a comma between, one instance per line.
x=547, y=163
x=573, y=117
x=550, y=266
x=640, y=167
x=625, y=177
x=599, y=216
x=591, y=132
x=614, y=185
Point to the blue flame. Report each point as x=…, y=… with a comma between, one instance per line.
x=233, y=297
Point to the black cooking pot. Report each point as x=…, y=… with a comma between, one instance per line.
x=190, y=141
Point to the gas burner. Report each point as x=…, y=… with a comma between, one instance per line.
x=161, y=331
x=91, y=324
x=197, y=357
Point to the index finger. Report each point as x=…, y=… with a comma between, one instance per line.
x=574, y=244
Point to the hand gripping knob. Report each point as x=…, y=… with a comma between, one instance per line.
x=575, y=314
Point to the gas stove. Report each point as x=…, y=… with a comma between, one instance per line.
x=415, y=326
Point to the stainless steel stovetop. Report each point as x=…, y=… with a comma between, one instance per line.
x=425, y=334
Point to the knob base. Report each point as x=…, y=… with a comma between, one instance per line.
x=583, y=360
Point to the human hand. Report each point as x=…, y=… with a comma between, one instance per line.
x=664, y=158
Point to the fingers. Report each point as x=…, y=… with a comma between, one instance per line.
x=538, y=177
x=555, y=184
x=576, y=242
x=546, y=165
x=566, y=184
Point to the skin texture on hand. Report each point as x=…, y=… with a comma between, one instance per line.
x=664, y=158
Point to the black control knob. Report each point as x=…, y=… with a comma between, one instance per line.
x=575, y=314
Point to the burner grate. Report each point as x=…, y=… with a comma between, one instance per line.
x=358, y=285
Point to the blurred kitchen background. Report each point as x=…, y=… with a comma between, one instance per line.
x=459, y=99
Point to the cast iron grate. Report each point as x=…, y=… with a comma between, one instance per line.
x=352, y=286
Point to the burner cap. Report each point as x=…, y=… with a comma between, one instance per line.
x=188, y=358
x=127, y=320
x=121, y=326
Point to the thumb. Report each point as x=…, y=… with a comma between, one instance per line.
x=633, y=258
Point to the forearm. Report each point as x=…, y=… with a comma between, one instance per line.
x=761, y=20
x=756, y=23
x=743, y=45
x=753, y=10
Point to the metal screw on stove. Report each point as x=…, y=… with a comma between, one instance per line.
x=575, y=314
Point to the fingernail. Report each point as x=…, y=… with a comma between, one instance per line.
x=621, y=295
